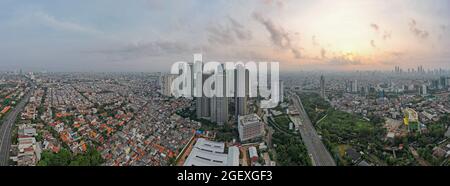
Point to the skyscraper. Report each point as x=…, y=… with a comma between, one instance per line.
x=191, y=82
x=447, y=81
x=241, y=82
x=355, y=86
x=435, y=84
x=187, y=74
x=443, y=82
x=424, y=90
x=281, y=91
x=203, y=103
x=322, y=87
x=219, y=102
x=166, y=83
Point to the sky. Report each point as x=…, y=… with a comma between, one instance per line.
x=151, y=35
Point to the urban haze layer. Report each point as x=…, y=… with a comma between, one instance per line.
x=89, y=83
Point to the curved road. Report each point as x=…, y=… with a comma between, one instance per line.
x=6, y=127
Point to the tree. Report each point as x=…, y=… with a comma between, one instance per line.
x=80, y=160
x=290, y=150
x=64, y=158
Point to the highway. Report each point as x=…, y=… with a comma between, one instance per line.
x=6, y=127
x=316, y=149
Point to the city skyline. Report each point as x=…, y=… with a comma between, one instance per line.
x=133, y=119
x=224, y=91
x=150, y=35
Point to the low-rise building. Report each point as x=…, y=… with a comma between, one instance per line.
x=253, y=154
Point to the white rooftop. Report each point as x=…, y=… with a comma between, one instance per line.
x=233, y=156
x=248, y=119
x=210, y=146
x=209, y=153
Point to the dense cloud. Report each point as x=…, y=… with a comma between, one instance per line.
x=228, y=33
x=375, y=27
x=385, y=35
x=418, y=32
x=279, y=37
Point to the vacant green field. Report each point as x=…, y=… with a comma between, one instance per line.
x=283, y=121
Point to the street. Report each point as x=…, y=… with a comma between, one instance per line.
x=319, y=154
x=6, y=127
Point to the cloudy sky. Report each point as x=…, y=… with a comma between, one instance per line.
x=150, y=35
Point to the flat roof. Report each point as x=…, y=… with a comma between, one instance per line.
x=253, y=152
x=207, y=153
x=200, y=157
x=210, y=145
x=249, y=119
x=233, y=156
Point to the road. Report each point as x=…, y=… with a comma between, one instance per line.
x=316, y=149
x=6, y=127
